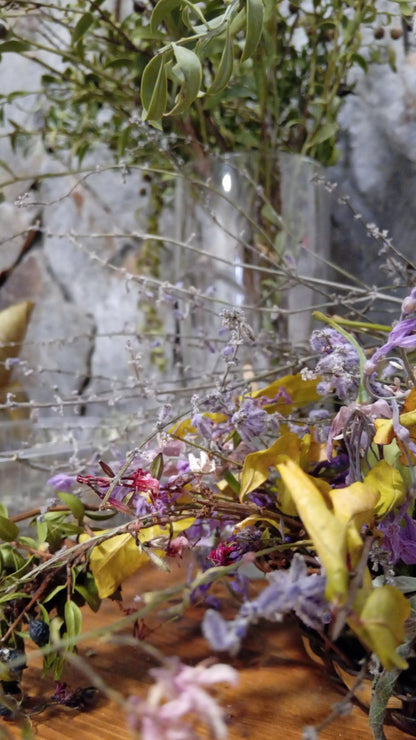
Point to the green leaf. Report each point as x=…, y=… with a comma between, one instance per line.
x=76, y=506
x=41, y=530
x=3, y=510
x=13, y=595
x=82, y=27
x=18, y=47
x=254, y=27
x=8, y=530
x=89, y=592
x=100, y=516
x=225, y=67
x=156, y=468
x=189, y=68
x=325, y=132
x=161, y=11
x=73, y=619
x=54, y=592
x=232, y=481
x=154, y=90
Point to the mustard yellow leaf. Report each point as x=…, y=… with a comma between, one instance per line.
x=285, y=501
x=114, y=560
x=151, y=533
x=410, y=402
x=253, y=519
x=13, y=325
x=380, y=625
x=118, y=557
x=300, y=391
x=384, y=431
x=355, y=503
x=387, y=481
x=185, y=427
x=311, y=451
x=256, y=465
x=408, y=419
x=329, y=534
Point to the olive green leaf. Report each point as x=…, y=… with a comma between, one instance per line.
x=323, y=133
x=189, y=69
x=225, y=67
x=73, y=619
x=8, y=529
x=82, y=27
x=75, y=506
x=254, y=27
x=154, y=90
x=156, y=468
x=18, y=47
x=162, y=11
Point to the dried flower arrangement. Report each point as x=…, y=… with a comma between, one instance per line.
x=319, y=495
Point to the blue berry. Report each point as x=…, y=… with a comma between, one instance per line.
x=39, y=632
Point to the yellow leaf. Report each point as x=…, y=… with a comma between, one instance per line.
x=355, y=506
x=329, y=535
x=384, y=431
x=118, y=557
x=114, y=560
x=410, y=402
x=13, y=324
x=355, y=503
x=300, y=391
x=253, y=519
x=256, y=465
x=380, y=624
x=185, y=427
x=387, y=481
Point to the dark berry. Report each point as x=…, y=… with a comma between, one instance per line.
x=5, y=712
x=39, y=632
x=12, y=663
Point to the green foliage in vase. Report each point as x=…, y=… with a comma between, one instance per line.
x=232, y=76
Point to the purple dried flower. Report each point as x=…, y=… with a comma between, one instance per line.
x=402, y=336
x=339, y=364
x=62, y=481
x=289, y=590
x=399, y=536
x=250, y=420
x=203, y=425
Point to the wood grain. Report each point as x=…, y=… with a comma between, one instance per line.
x=279, y=693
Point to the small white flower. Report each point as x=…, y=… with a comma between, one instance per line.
x=203, y=464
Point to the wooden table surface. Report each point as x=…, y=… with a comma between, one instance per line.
x=280, y=690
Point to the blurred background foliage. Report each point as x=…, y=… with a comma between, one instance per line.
x=174, y=80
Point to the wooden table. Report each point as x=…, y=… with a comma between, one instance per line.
x=280, y=689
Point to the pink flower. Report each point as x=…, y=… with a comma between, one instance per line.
x=178, y=702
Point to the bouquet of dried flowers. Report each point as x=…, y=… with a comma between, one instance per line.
x=310, y=479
